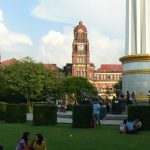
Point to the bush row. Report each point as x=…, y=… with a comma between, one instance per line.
x=82, y=116
x=2, y=110
x=45, y=114
x=141, y=112
x=118, y=106
x=15, y=113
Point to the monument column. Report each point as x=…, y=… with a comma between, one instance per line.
x=136, y=62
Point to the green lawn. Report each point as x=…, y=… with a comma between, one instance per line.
x=58, y=137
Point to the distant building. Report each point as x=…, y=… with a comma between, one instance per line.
x=68, y=69
x=81, y=66
x=13, y=60
x=51, y=66
x=9, y=62
x=104, y=78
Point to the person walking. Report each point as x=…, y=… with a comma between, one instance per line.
x=96, y=113
x=133, y=98
x=128, y=98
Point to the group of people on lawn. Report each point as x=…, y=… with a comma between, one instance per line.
x=25, y=142
x=126, y=126
x=39, y=143
x=130, y=126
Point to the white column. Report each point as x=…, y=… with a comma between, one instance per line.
x=130, y=28
x=137, y=27
x=146, y=28
x=138, y=12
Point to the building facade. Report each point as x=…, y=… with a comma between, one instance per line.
x=105, y=77
x=81, y=66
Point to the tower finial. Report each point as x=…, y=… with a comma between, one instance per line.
x=80, y=22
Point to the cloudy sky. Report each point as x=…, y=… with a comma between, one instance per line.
x=43, y=29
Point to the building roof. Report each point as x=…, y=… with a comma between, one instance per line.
x=9, y=62
x=81, y=26
x=13, y=60
x=110, y=68
x=51, y=66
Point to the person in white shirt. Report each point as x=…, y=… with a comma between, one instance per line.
x=96, y=113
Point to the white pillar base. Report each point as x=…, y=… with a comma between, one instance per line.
x=136, y=75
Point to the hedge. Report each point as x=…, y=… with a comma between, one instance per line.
x=118, y=106
x=15, y=113
x=44, y=114
x=2, y=110
x=69, y=107
x=82, y=115
x=141, y=112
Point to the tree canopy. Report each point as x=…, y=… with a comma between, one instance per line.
x=118, y=88
x=26, y=81
x=78, y=87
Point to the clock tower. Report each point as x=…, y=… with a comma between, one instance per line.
x=81, y=65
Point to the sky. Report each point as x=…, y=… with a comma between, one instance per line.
x=43, y=29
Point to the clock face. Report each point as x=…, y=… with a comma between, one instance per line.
x=80, y=47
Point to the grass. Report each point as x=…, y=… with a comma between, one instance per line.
x=58, y=137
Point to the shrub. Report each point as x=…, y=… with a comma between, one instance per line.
x=15, y=113
x=69, y=107
x=82, y=115
x=44, y=114
x=2, y=110
x=118, y=106
x=141, y=112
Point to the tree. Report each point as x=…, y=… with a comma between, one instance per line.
x=26, y=81
x=78, y=87
x=118, y=88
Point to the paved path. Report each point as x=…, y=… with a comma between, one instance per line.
x=66, y=117
x=103, y=122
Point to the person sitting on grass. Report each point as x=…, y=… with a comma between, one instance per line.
x=24, y=142
x=138, y=124
x=130, y=126
x=123, y=127
x=39, y=143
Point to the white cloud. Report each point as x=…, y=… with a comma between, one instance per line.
x=56, y=47
x=105, y=21
x=1, y=16
x=105, y=50
x=9, y=40
x=105, y=15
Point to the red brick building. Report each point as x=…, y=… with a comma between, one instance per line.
x=81, y=65
x=105, y=77
x=48, y=66
x=9, y=62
